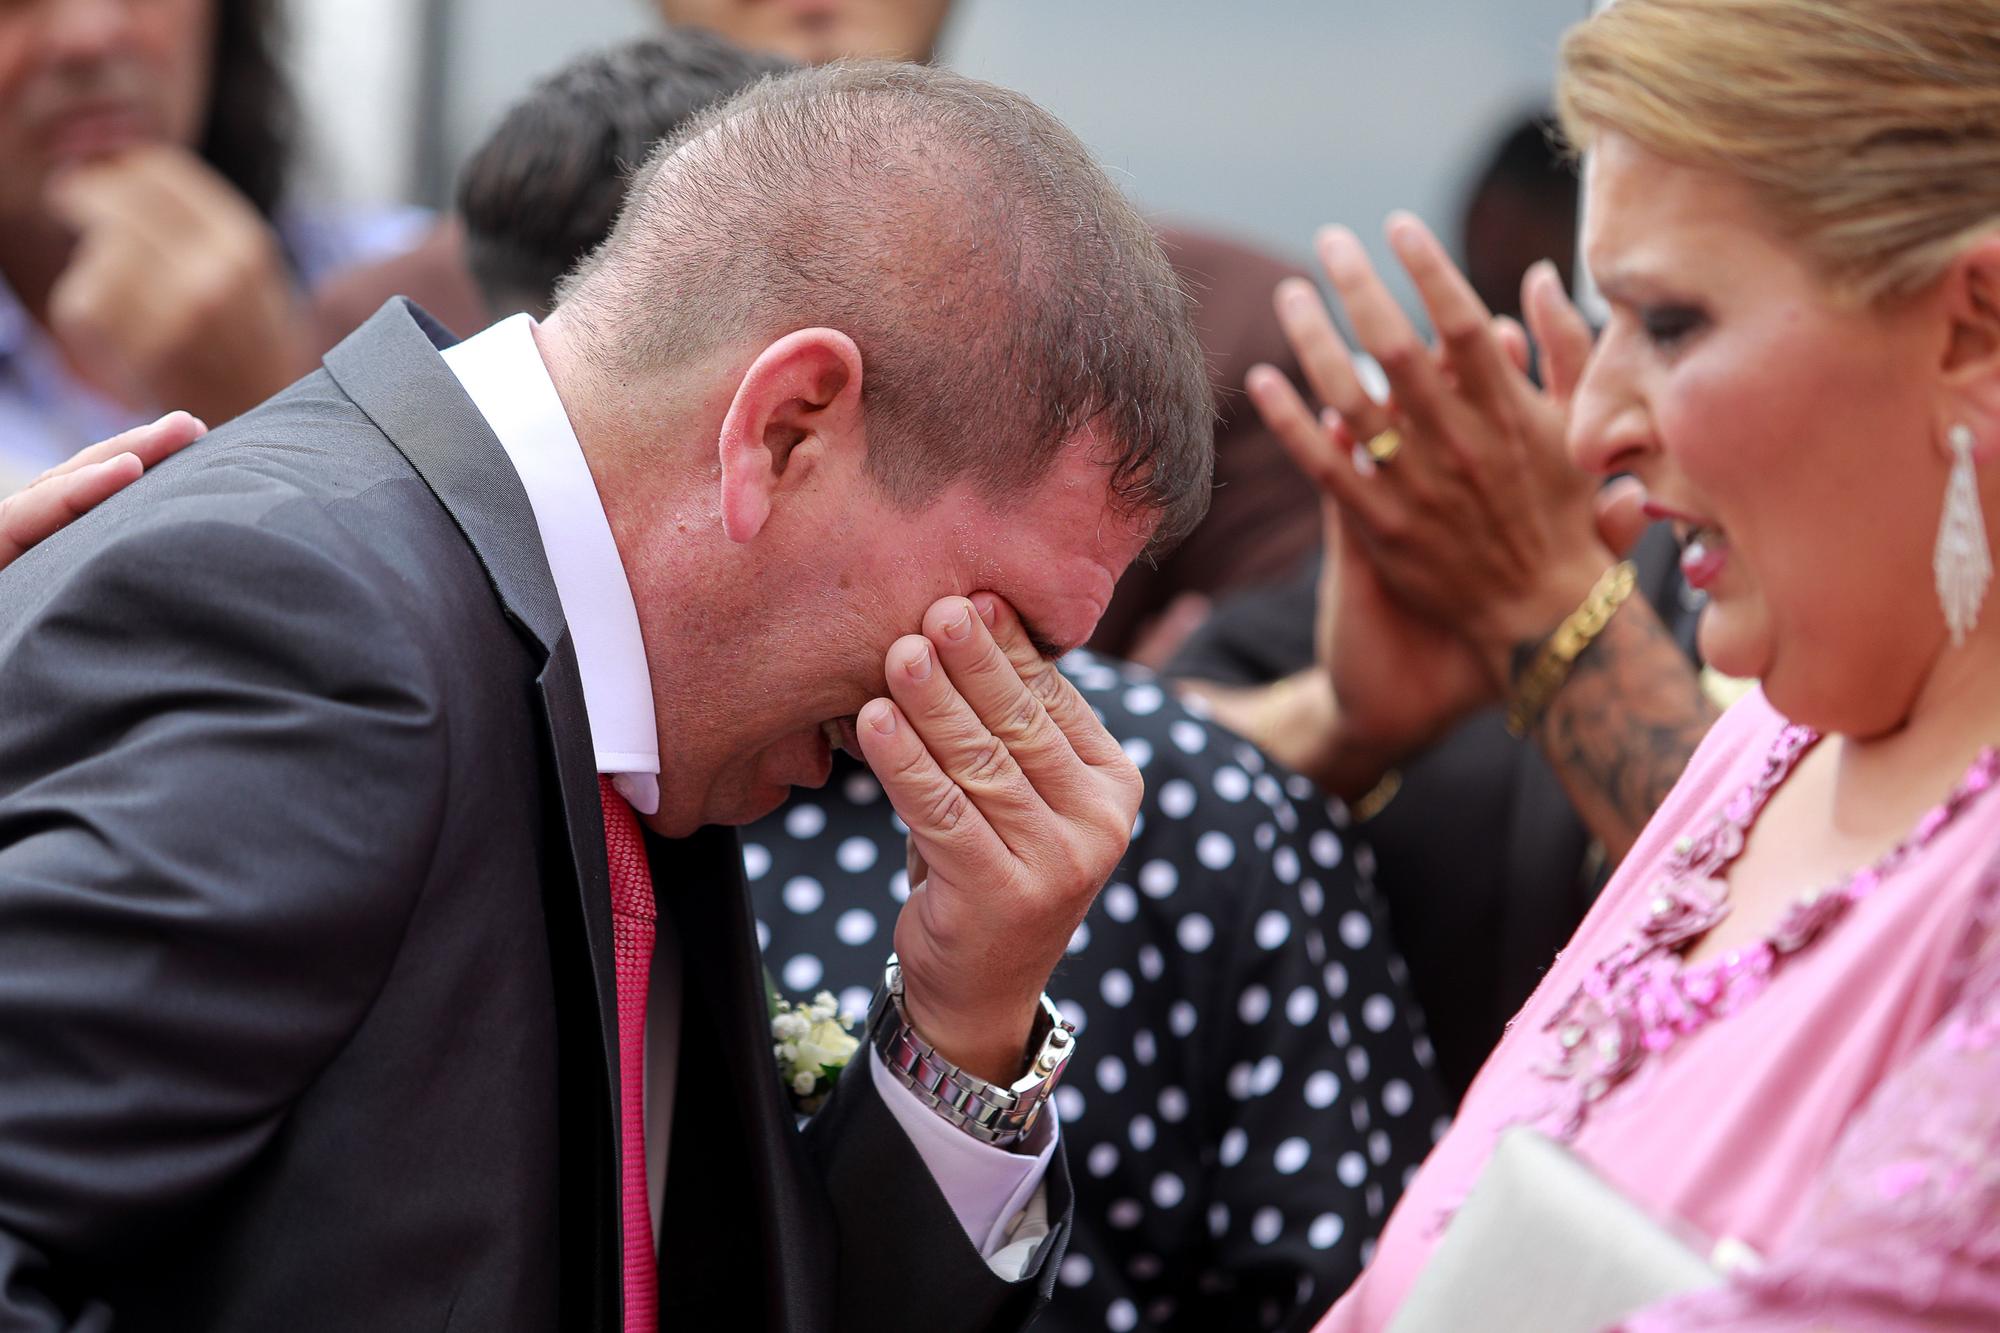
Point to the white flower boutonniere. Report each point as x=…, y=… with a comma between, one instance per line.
x=812, y=1045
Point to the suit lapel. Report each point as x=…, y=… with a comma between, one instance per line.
x=738, y=1179
x=391, y=369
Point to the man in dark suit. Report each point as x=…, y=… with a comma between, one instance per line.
x=326, y=999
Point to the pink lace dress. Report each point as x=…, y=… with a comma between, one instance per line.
x=1829, y=1096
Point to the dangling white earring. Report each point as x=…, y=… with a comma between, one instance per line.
x=1962, y=562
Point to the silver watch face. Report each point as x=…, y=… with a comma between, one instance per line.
x=990, y=1113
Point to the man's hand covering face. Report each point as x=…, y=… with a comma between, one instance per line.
x=1019, y=804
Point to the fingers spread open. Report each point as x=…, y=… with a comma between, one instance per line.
x=1323, y=356
x=1514, y=341
x=1382, y=329
x=1461, y=319
x=1335, y=469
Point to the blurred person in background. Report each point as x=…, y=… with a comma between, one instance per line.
x=811, y=34
x=1260, y=1086
x=1519, y=211
x=1779, y=1026
x=148, y=258
x=544, y=188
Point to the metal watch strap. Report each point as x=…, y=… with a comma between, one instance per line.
x=989, y=1112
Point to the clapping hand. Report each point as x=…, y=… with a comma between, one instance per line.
x=1473, y=535
x=1019, y=804
x=63, y=493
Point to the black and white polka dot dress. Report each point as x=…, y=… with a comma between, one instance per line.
x=1251, y=1088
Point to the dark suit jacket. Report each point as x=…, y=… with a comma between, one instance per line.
x=306, y=997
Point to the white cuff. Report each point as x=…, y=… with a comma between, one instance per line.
x=995, y=1193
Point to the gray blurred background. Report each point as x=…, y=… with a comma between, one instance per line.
x=1261, y=119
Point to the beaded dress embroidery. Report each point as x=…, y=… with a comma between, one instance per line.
x=1642, y=1000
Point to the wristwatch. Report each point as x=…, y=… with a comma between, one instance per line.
x=1001, y=1116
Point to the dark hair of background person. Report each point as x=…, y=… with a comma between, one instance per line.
x=1521, y=208
x=545, y=187
x=253, y=117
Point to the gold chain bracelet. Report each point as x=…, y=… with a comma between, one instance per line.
x=1551, y=668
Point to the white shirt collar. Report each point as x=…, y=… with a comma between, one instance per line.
x=502, y=372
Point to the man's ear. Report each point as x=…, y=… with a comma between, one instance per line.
x=1972, y=356
x=797, y=401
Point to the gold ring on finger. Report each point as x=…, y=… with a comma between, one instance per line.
x=1384, y=445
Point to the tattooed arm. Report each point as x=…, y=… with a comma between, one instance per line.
x=1622, y=726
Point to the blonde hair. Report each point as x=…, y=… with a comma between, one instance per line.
x=1868, y=129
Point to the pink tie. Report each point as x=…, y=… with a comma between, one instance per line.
x=632, y=932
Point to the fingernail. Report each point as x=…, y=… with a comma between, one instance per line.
x=919, y=666
x=957, y=628
x=881, y=717
x=1336, y=242
x=988, y=612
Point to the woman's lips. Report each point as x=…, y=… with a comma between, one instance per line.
x=1704, y=548
x=92, y=131
x=1703, y=557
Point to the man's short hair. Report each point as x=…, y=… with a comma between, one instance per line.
x=544, y=188
x=1004, y=295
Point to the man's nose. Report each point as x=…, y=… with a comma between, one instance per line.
x=83, y=31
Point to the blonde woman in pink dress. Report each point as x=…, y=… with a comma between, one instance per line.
x=1780, y=1023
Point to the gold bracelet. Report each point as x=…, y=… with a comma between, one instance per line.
x=1552, y=664
x=1377, y=798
